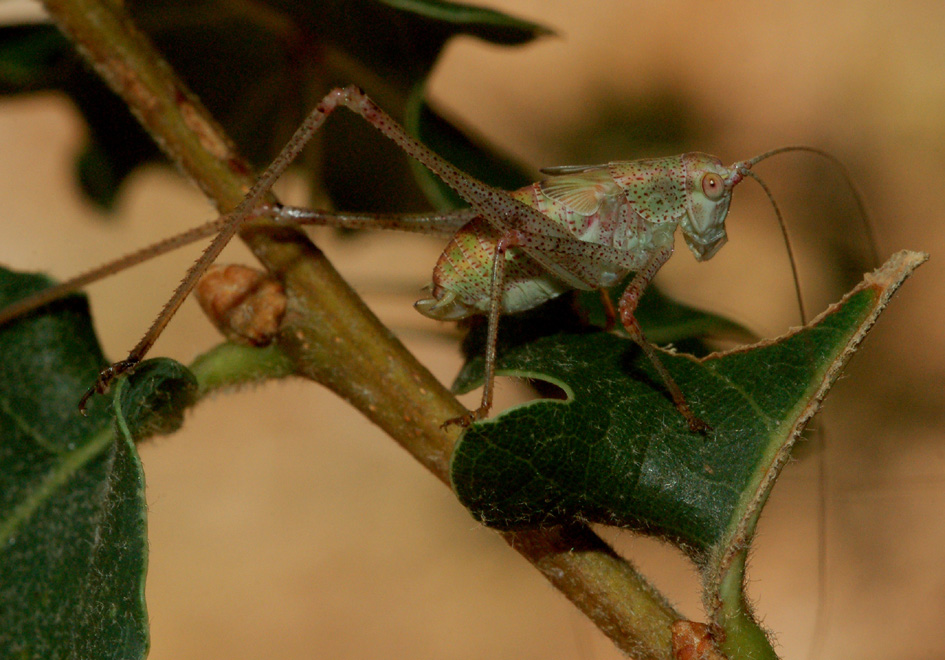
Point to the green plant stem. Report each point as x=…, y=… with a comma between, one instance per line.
x=230, y=365
x=333, y=338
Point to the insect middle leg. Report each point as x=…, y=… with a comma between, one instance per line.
x=440, y=224
x=581, y=259
x=627, y=306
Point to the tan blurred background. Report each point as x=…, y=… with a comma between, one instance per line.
x=282, y=525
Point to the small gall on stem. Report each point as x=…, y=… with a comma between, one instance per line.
x=244, y=304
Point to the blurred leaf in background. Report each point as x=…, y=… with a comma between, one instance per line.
x=260, y=67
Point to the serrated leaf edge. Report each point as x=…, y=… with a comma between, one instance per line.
x=723, y=573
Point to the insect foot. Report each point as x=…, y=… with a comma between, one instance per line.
x=697, y=425
x=464, y=421
x=105, y=379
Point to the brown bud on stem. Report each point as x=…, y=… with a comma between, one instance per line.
x=694, y=641
x=244, y=304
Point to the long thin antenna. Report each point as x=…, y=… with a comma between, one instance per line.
x=869, y=230
x=787, y=240
x=821, y=622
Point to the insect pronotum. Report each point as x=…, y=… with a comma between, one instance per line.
x=583, y=227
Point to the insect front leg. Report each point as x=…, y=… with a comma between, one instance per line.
x=627, y=306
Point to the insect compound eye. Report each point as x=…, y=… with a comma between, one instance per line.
x=713, y=186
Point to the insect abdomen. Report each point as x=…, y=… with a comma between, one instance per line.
x=463, y=275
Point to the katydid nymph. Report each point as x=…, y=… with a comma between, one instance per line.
x=583, y=227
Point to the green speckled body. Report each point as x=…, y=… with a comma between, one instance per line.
x=462, y=276
x=633, y=207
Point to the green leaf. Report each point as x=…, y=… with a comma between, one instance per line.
x=29, y=57
x=153, y=399
x=73, y=547
x=487, y=24
x=664, y=320
x=618, y=452
x=457, y=148
x=260, y=68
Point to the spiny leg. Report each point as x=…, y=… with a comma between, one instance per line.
x=235, y=220
x=61, y=290
x=441, y=224
x=496, y=204
x=627, y=306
